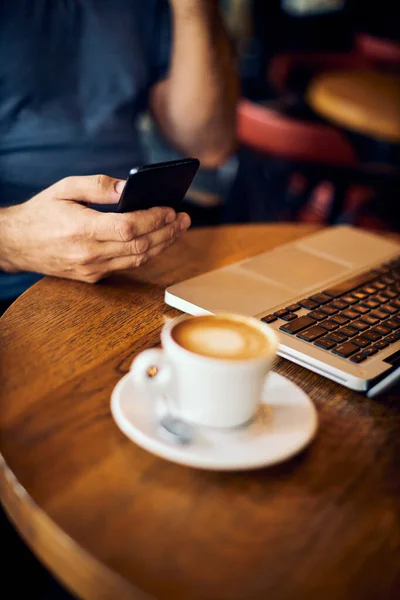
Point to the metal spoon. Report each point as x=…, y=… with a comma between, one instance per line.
x=176, y=430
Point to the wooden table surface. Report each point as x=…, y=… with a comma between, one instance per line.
x=114, y=522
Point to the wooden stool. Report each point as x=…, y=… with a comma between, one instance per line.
x=365, y=102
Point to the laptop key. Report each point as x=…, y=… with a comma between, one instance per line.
x=392, y=323
x=369, y=289
x=337, y=337
x=329, y=325
x=380, y=285
x=345, y=350
x=358, y=358
x=379, y=314
x=289, y=317
x=297, y=325
x=320, y=298
x=293, y=307
x=280, y=313
x=340, y=304
x=370, y=303
x=359, y=325
x=311, y=334
x=380, y=299
x=362, y=310
x=317, y=315
x=389, y=294
x=389, y=309
x=325, y=343
x=351, y=314
x=349, y=299
x=328, y=309
x=371, y=335
x=348, y=331
x=369, y=320
x=392, y=338
x=394, y=304
x=370, y=351
x=269, y=319
x=381, y=345
x=360, y=341
x=382, y=330
x=359, y=295
x=309, y=304
x=341, y=319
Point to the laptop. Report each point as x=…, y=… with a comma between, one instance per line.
x=333, y=298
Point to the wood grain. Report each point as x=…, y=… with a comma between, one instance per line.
x=112, y=521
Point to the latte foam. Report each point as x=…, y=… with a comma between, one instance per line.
x=221, y=337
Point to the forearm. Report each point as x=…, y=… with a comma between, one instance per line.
x=196, y=105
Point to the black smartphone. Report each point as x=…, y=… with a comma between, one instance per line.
x=160, y=184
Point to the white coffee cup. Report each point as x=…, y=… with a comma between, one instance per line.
x=223, y=390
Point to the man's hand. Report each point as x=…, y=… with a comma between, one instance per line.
x=54, y=233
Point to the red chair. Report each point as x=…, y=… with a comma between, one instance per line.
x=378, y=51
x=272, y=132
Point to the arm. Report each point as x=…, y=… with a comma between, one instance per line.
x=195, y=106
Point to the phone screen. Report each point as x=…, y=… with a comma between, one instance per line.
x=161, y=184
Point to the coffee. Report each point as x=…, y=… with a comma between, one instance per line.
x=221, y=337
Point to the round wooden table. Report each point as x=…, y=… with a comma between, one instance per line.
x=112, y=521
x=363, y=101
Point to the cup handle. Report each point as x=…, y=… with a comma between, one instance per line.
x=142, y=367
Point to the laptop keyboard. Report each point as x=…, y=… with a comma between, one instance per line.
x=354, y=319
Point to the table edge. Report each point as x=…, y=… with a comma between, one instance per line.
x=31, y=521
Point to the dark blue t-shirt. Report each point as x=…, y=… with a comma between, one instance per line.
x=74, y=76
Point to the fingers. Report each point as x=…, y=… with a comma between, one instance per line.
x=95, y=189
x=169, y=233
x=124, y=263
x=160, y=243
x=128, y=226
x=156, y=250
x=145, y=243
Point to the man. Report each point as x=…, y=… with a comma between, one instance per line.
x=74, y=76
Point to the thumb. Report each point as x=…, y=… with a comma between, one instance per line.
x=94, y=189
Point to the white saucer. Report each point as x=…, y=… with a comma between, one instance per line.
x=285, y=423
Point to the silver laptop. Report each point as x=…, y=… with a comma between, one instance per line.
x=333, y=297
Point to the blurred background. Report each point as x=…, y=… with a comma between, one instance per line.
x=318, y=123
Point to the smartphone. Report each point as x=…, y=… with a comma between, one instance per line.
x=160, y=184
